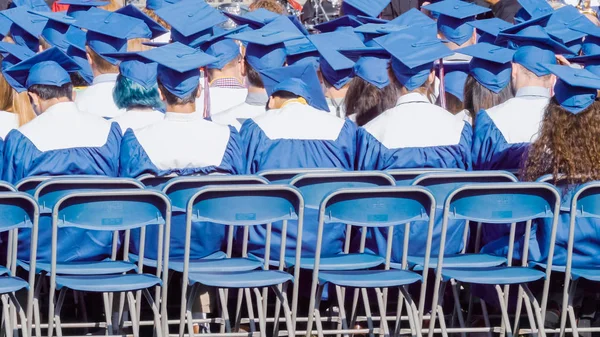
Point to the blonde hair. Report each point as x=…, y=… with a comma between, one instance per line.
x=137, y=45
x=102, y=65
x=156, y=18
x=14, y=102
x=113, y=5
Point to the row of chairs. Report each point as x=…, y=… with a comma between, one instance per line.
x=365, y=200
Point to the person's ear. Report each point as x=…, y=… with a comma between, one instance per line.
x=514, y=71
x=271, y=103
x=35, y=102
x=162, y=97
x=87, y=54
x=199, y=92
x=474, y=37
x=431, y=77
x=243, y=69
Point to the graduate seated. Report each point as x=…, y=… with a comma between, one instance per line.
x=107, y=32
x=60, y=141
x=499, y=142
x=297, y=132
x=136, y=91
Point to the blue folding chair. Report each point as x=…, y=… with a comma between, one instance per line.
x=245, y=206
x=440, y=184
x=497, y=204
x=585, y=205
x=29, y=184
x=404, y=177
x=152, y=181
x=112, y=211
x=283, y=176
x=371, y=208
x=17, y=211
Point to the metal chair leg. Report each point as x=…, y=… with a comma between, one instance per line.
x=132, y=305
x=59, y=304
x=108, y=314
x=193, y=292
x=365, y=297
x=486, y=316
x=382, y=312
x=156, y=311
x=537, y=310
x=503, y=308
x=317, y=312
x=398, y=326
x=238, y=312
x=6, y=315
x=343, y=317
x=262, y=322
x=25, y=327
x=250, y=307
x=457, y=308
x=282, y=298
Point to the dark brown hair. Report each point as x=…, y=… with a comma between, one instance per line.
x=253, y=76
x=453, y=103
x=477, y=97
x=567, y=144
x=366, y=101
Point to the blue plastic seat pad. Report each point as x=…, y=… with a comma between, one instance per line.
x=340, y=262
x=11, y=284
x=493, y=275
x=106, y=267
x=591, y=274
x=369, y=278
x=454, y=261
x=148, y=262
x=245, y=279
x=107, y=283
x=4, y=271
x=217, y=265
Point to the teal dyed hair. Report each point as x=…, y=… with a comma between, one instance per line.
x=129, y=94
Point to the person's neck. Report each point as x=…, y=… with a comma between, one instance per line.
x=182, y=108
x=223, y=73
x=531, y=82
x=47, y=104
x=332, y=92
x=256, y=90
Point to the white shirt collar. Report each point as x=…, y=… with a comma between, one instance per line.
x=104, y=78
x=413, y=97
x=183, y=117
x=533, y=91
x=61, y=108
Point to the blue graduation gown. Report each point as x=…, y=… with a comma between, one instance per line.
x=298, y=136
x=501, y=138
x=63, y=141
x=181, y=145
x=415, y=134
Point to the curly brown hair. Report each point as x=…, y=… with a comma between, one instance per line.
x=271, y=5
x=568, y=144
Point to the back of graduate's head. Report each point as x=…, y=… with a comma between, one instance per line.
x=524, y=77
x=12, y=101
x=279, y=98
x=230, y=61
x=366, y=101
x=99, y=64
x=417, y=80
x=170, y=99
x=477, y=97
x=252, y=76
x=131, y=95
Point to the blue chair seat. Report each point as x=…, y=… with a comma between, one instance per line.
x=4, y=271
x=369, y=278
x=341, y=262
x=592, y=274
x=245, y=279
x=217, y=266
x=108, y=283
x=106, y=267
x=153, y=263
x=455, y=261
x=493, y=275
x=12, y=284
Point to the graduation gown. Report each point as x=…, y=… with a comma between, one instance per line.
x=182, y=144
x=97, y=99
x=138, y=118
x=298, y=136
x=254, y=106
x=63, y=141
x=415, y=134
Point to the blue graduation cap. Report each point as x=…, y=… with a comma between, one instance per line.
x=57, y=26
x=411, y=18
x=302, y=51
x=225, y=50
x=335, y=67
x=301, y=80
x=413, y=53
x=370, y=19
x=454, y=83
x=344, y=21
x=35, y=5
x=591, y=43
x=108, y=32
x=50, y=67
x=558, y=27
x=5, y=24
x=76, y=51
x=454, y=16
x=137, y=68
x=488, y=29
x=370, y=8
x=179, y=67
x=77, y=7
x=11, y=55
x=254, y=19
x=371, y=64
x=535, y=49
x=575, y=89
x=265, y=48
x=191, y=20
x=490, y=65
x=532, y=9
x=155, y=27
x=158, y=4
x=590, y=62
x=26, y=27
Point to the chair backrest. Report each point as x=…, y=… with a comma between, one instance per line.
x=443, y=182
x=405, y=176
x=6, y=187
x=315, y=186
x=29, y=184
x=113, y=211
x=152, y=181
x=181, y=189
x=51, y=190
x=283, y=176
x=17, y=210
